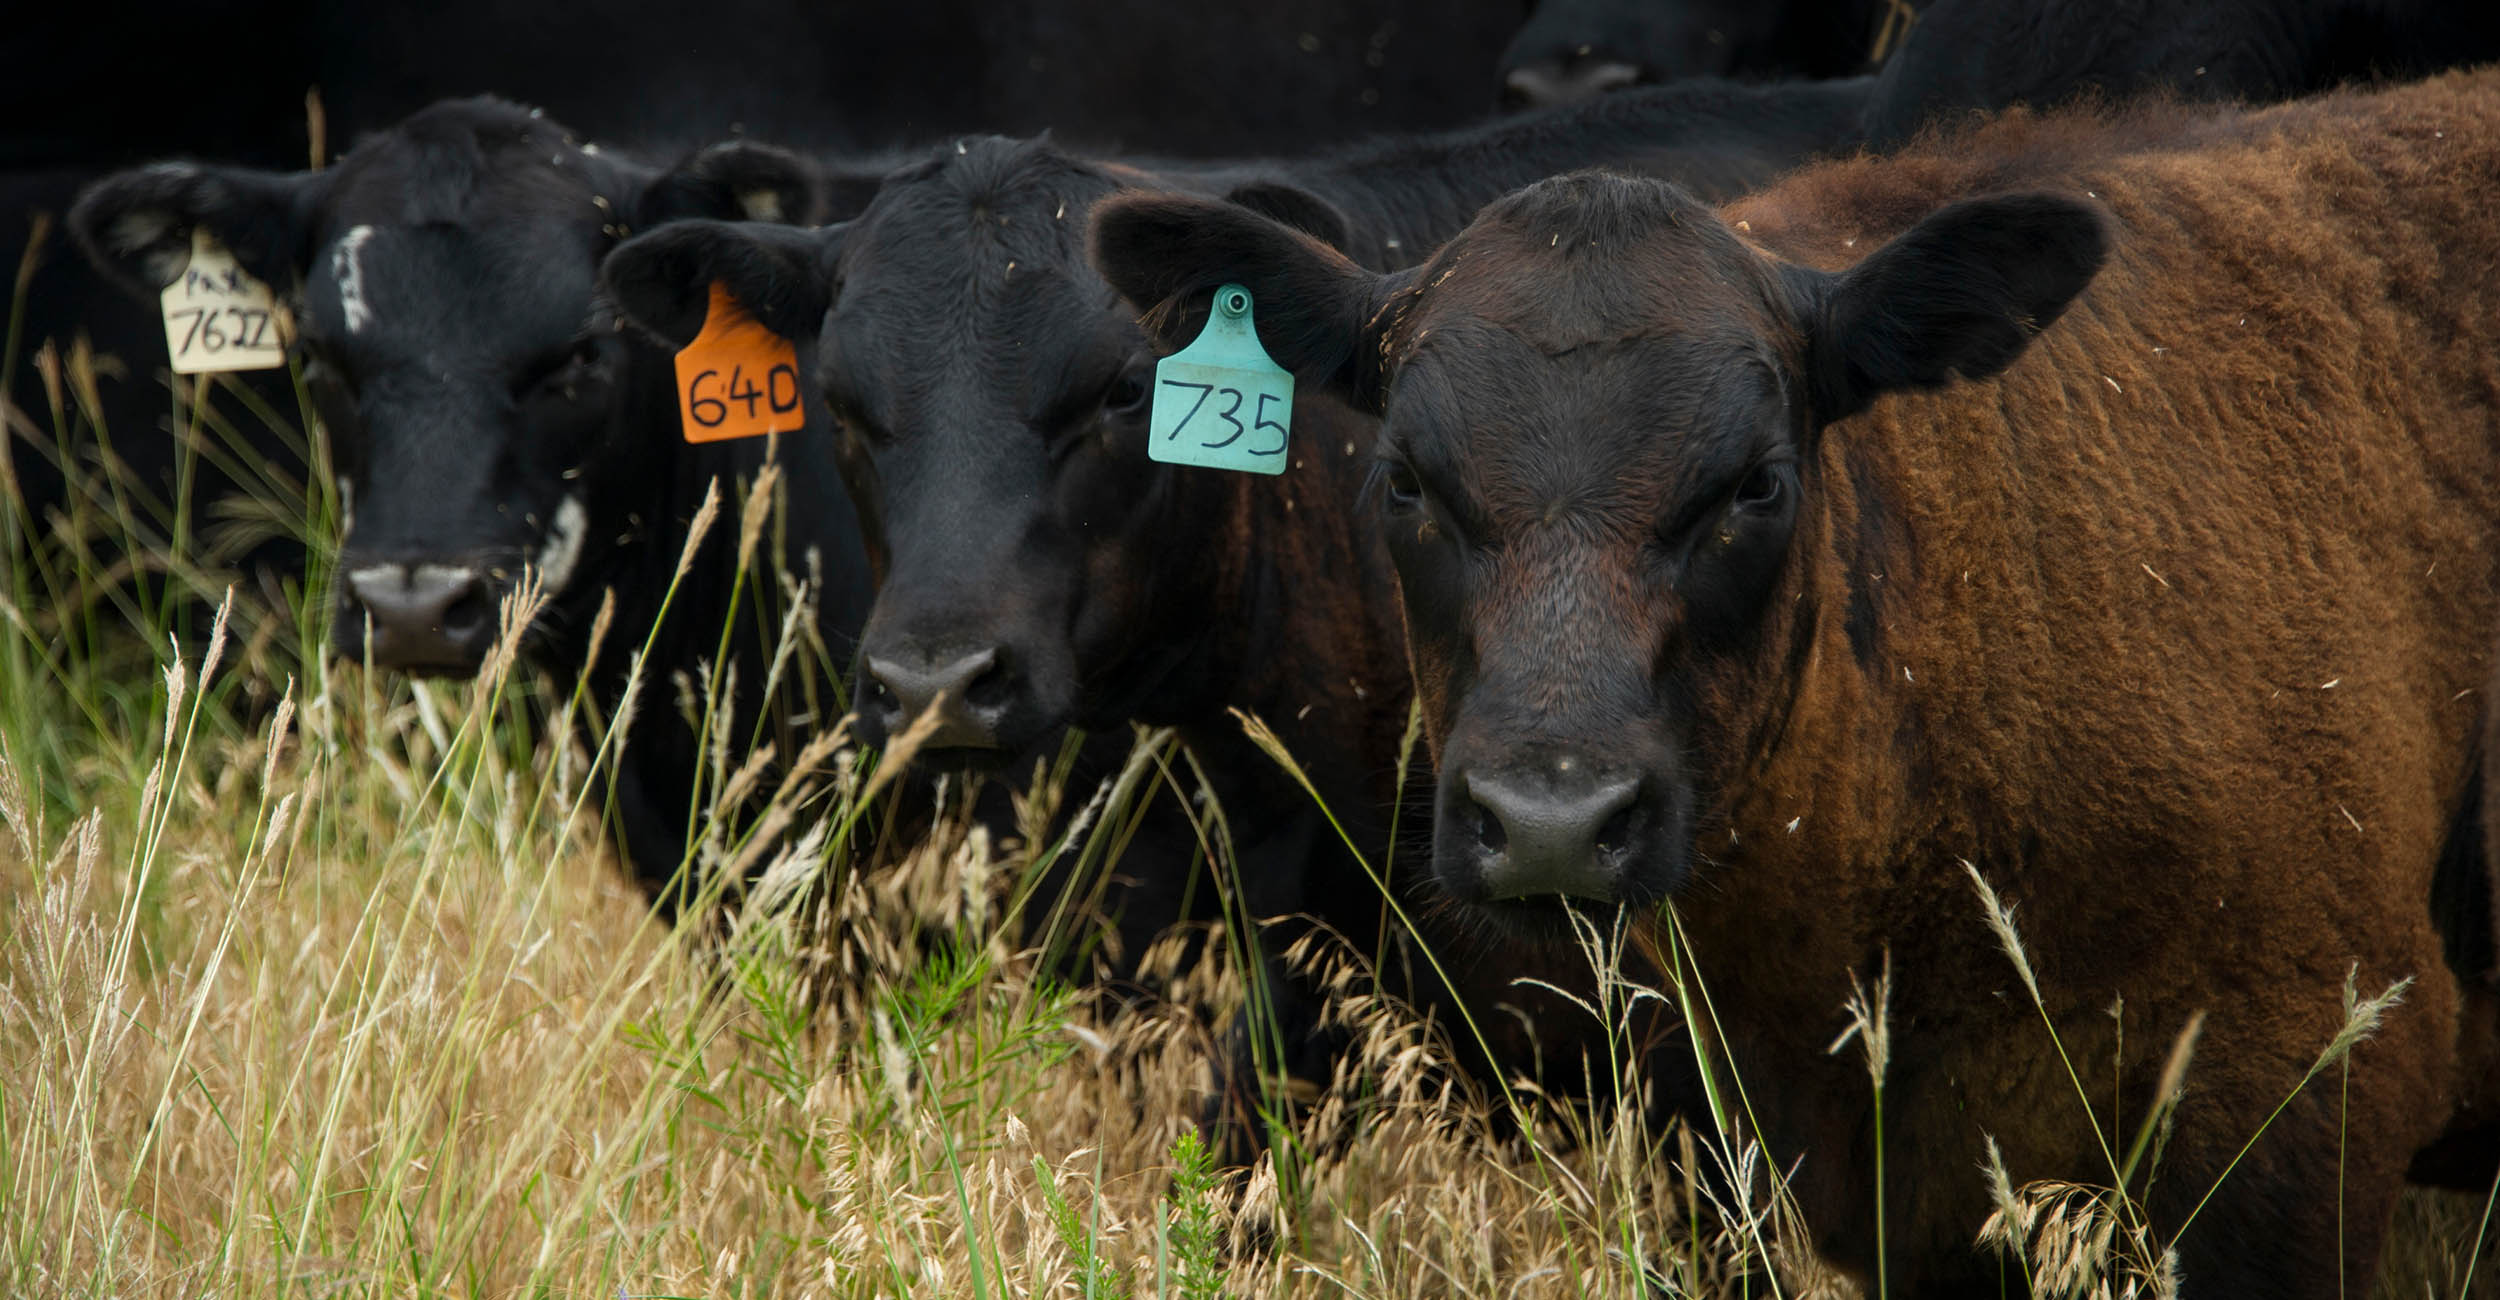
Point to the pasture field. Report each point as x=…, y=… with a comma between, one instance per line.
x=321, y=982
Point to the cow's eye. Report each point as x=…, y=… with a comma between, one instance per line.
x=1762, y=489
x=1399, y=486
x=1127, y=394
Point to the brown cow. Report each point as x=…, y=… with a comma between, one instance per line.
x=1720, y=588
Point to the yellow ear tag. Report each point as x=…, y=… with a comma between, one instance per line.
x=737, y=379
x=217, y=317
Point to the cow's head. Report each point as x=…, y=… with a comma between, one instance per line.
x=1597, y=475
x=443, y=279
x=991, y=393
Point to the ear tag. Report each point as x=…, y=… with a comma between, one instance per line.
x=1222, y=402
x=737, y=379
x=217, y=317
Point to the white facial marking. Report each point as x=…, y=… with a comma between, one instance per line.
x=442, y=575
x=409, y=577
x=375, y=576
x=347, y=506
x=563, y=548
x=349, y=271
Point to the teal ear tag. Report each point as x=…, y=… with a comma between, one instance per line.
x=1221, y=402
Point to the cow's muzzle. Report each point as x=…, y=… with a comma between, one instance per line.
x=1523, y=837
x=421, y=618
x=963, y=696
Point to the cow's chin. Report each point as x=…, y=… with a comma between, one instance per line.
x=1550, y=921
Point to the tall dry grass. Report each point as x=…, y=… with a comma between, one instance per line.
x=321, y=983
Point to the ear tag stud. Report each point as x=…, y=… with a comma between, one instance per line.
x=737, y=379
x=217, y=317
x=1221, y=402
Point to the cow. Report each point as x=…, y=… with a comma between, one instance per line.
x=1569, y=50
x=1962, y=56
x=1038, y=571
x=1967, y=55
x=487, y=418
x=2101, y=506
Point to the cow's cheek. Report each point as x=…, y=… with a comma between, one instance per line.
x=1106, y=622
x=1435, y=658
x=866, y=489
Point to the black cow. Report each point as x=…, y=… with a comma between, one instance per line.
x=1965, y=55
x=487, y=415
x=1039, y=571
x=1985, y=54
x=1572, y=49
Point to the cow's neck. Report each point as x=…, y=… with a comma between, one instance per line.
x=1301, y=631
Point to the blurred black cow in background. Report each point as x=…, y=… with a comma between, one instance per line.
x=1572, y=49
x=1941, y=56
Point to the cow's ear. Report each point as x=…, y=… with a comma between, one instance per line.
x=737, y=181
x=662, y=281
x=1296, y=207
x=1167, y=253
x=1962, y=293
x=136, y=225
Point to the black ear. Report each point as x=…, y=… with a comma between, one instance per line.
x=1296, y=207
x=136, y=225
x=1167, y=253
x=737, y=181
x=662, y=281
x=1962, y=293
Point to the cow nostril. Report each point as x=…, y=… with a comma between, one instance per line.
x=466, y=616
x=1616, y=835
x=1491, y=836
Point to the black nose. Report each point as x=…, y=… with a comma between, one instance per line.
x=962, y=690
x=1546, y=833
x=423, y=617
x=1568, y=80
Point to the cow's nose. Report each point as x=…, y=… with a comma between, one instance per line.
x=959, y=689
x=1539, y=835
x=423, y=617
x=1546, y=82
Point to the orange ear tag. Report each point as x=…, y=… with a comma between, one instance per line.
x=737, y=379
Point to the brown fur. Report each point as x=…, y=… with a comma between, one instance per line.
x=2203, y=581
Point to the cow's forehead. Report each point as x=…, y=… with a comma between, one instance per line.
x=1633, y=423
x=380, y=288
x=973, y=276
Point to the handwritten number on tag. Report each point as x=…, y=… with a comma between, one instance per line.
x=242, y=327
x=779, y=395
x=1262, y=422
x=1259, y=418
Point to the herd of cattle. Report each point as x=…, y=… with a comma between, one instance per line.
x=1789, y=494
